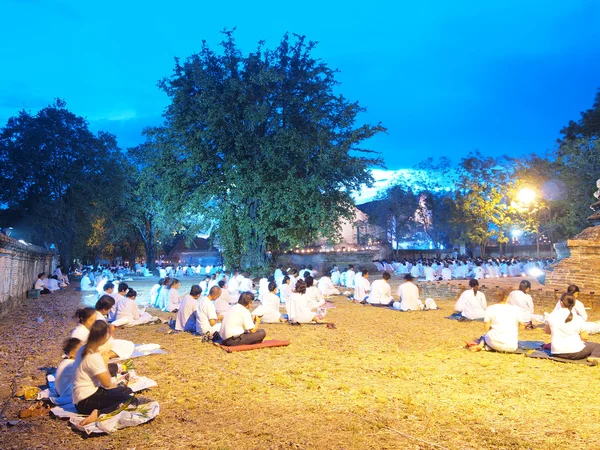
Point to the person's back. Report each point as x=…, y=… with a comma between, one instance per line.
x=271, y=304
x=446, y=274
x=381, y=292
x=472, y=304
x=223, y=303
x=523, y=301
x=86, y=283
x=186, y=316
x=504, y=322
x=350, y=275
x=235, y=322
x=565, y=335
x=205, y=313
x=409, y=297
x=126, y=308
x=429, y=273
x=361, y=288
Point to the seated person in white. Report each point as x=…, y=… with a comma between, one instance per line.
x=86, y=317
x=162, y=298
x=65, y=372
x=204, y=283
x=40, y=285
x=120, y=295
x=350, y=275
x=63, y=278
x=86, y=282
x=316, y=299
x=478, y=272
x=409, y=296
x=362, y=287
x=207, y=320
x=237, y=327
x=285, y=290
x=186, y=316
x=446, y=273
x=116, y=348
x=335, y=276
x=429, y=273
x=127, y=308
x=271, y=303
x=299, y=307
x=95, y=392
x=501, y=323
x=293, y=279
x=381, y=291
x=154, y=292
x=53, y=283
x=471, y=303
x=173, y=300
x=246, y=284
x=579, y=309
x=522, y=299
x=224, y=302
x=263, y=287
x=327, y=287
x=569, y=338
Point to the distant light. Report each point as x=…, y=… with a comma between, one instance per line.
x=526, y=196
x=23, y=242
x=516, y=233
x=536, y=272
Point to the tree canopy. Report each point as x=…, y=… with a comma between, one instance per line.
x=267, y=143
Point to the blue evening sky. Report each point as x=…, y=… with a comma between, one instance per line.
x=445, y=77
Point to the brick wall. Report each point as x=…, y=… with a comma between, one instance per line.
x=582, y=264
x=544, y=298
x=19, y=266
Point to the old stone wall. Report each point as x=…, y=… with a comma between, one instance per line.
x=581, y=264
x=19, y=267
x=544, y=298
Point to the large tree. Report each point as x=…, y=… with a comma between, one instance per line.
x=57, y=177
x=267, y=141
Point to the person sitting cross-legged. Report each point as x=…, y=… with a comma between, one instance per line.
x=472, y=303
x=207, y=320
x=501, y=323
x=381, y=292
x=237, y=327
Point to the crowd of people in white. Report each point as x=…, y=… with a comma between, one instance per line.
x=221, y=308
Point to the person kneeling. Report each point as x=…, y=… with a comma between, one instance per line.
x=94, y=390
x=238, y=328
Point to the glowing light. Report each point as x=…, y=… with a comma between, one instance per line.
x=526, y=196
x=516, y=233
x=536, y=272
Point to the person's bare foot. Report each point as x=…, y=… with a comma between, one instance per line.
x=477, y=348
x=594, y=360
x=89, y=419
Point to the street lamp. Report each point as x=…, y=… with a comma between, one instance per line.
x=526, y=196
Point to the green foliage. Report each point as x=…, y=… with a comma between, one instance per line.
x=267, y=143
x=56, y=177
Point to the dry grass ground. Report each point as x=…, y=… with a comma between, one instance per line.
x=382, y=380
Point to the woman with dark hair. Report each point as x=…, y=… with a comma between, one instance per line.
x=94, y=390
x=118, y=348
x=86, y=317
x=285, y=290
x=568, y=333
x=237, y=327
x=65, y=372
x=173, y=300
x=127, y=309
x=271, y=303
x=299, y=306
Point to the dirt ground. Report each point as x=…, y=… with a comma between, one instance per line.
x=382, y=380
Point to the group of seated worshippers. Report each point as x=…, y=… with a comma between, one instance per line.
x=125, y=308
x=237, y=326
x=84, y=376
x=439, y=269
x=566, y=324
x=165, y=295
x=47, y=285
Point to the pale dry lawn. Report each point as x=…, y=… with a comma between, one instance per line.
x=381, y=380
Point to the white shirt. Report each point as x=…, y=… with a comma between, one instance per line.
x=504, y=320
x=246, y=285
x=298, y=308
x=223, y=303
x=361, y=288
x=446, y=274
x=237, y=320
x=39, y=284
x=154, y=294
x=429, y=273
x=381, y=293
x=174, y=300
x=127, y=308
x=523, y=301
x=471, y=306
x=270, y=303
x=64, y=376
x=409, y=297
x=53, y=284
x=86, y=284
x=206, y=311
x=85, y=382
x=350, y=275
x=81, y=332
x=186, y=319
x=315, y=298
x=565, y=336
x=284, y=292
x=578, y=309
